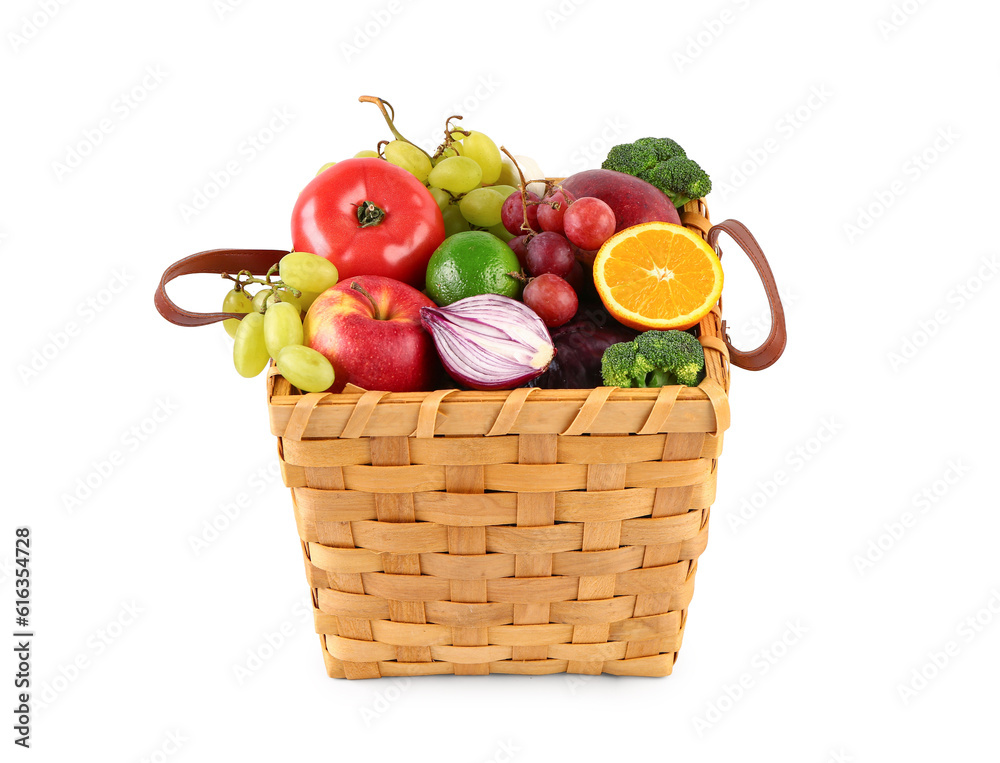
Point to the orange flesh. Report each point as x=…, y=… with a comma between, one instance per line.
x=658, y=275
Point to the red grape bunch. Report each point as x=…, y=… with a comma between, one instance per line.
x=550, y=235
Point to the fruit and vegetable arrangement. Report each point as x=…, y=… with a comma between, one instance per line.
x=468, y=267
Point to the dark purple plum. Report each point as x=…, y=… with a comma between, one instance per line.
x=580, y=345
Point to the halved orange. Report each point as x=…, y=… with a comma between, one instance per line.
x=658, y=276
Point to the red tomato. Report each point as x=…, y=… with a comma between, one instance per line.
x=369, y=217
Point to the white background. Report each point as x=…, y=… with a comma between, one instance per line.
x=812, y=118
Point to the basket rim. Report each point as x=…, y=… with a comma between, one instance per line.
x=478, y=396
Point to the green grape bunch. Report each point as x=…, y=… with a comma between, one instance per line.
x=462, y=175
x=271, y=326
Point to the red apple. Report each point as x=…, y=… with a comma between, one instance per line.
x=369, y=329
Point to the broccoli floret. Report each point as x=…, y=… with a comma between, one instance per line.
x=621, y=368
x=664, y=148
x=682, y=179
x=654, y=359
x=630, y=159
x=661, y=162
x=672, y=352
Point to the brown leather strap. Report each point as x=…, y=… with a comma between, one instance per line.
x=772, y=347
x=257, y=261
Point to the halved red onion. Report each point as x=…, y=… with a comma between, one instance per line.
x=489, y=341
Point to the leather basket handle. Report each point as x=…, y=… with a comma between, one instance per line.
x=772, y=347
x=257, y=261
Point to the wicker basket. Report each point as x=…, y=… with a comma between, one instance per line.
x=528, y=531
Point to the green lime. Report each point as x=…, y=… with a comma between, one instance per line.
x=471, y=263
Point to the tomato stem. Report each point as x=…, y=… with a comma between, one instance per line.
x=369, y=214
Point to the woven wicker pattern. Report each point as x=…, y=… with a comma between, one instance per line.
x=530, y=531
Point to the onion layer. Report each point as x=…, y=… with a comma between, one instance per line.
x=489, y=341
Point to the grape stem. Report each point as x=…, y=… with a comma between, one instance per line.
x=449, y=128
x=549, y=188
x=449, y=141
x=389, y=113
x=525, y=225
x=244, y=278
